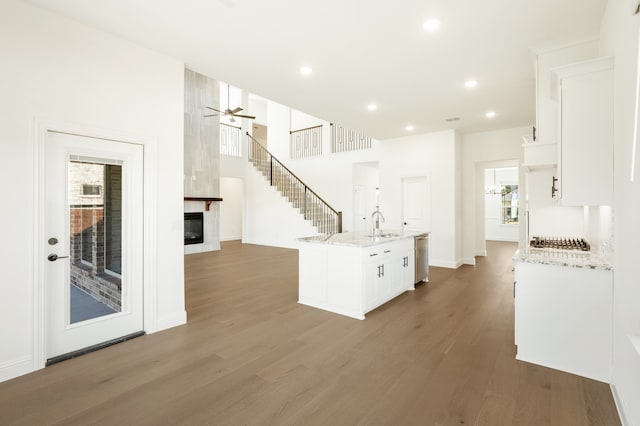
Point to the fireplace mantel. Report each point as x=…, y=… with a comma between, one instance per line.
x=207, y=200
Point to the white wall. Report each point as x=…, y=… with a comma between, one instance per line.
x=231, y=208
x=270, y=219
x=619, y=37
x=59, y=71
x=258, y=108
x=301, y=120
x=490, y=148
x=432, y=155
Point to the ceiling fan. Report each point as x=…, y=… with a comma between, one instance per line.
x=229, y=113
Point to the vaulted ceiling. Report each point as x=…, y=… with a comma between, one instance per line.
x=360, y=52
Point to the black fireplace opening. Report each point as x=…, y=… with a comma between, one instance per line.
x=193, y=228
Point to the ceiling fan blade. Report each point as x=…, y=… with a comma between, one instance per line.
x=212, y=115
x=238, y=109
x=251, y=117
x=216, y=110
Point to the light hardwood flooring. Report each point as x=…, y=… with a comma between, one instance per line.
x=440, y=355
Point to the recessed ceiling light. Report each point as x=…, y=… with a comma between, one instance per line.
x=431, y=24
x=305, y=70
x=372, y=107
x=490, y=114
x=470, y=84
x=409, y=128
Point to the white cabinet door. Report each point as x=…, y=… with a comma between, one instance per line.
x=371, y=285
x=564, y=318
x=539, y=184
x=405, y=261
x=586, y=133
x=408, y=271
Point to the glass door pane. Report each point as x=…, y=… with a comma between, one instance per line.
x=95, y=213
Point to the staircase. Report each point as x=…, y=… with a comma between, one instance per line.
x=323, y=217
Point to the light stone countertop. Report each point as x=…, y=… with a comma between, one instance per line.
x=355, y=239
x=568, y=258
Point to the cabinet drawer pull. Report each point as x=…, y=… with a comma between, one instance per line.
x=387, y=251
x=374, y=254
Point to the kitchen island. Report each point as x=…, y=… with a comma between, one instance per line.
x=351, y=273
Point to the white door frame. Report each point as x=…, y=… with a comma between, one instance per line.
x=41, y=128
x=479, y=222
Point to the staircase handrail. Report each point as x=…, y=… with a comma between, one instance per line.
x=272, y=158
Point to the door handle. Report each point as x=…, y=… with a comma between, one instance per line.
x=53, y=257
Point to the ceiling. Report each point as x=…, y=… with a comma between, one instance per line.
x=361, y=52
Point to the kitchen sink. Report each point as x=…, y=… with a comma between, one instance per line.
x=384, y=235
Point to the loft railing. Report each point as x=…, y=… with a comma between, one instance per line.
x=344, y=139
x=305, y=142
x=230, y=141
x=311, y=205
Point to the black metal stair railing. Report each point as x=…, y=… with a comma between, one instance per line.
x=324, y=217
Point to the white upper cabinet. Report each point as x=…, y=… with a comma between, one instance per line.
x=543, y=151
x=585, y=94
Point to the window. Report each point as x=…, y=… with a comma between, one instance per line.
x=88, y=189
x=509, y=207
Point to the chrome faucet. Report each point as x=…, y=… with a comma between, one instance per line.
x=376, y=225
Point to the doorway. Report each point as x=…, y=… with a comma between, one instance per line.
x=501, y=213
x=93, y=242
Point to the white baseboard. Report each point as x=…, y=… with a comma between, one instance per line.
x=200, y=248
x=169, y=321
x=16, y=367
x=481, y=253
x=619, y=406
x=236, y=238
x=444, y=263
x=469, y=261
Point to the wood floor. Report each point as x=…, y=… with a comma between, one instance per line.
x=441, y=355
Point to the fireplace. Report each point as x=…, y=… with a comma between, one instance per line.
x=193, y=228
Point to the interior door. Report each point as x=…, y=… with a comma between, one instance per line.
x=360, y=221
x=94, y=223
x=416, y=204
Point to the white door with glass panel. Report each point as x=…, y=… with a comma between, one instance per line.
x=416, y=204
x=94, y=241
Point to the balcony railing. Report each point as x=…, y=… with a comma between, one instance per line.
x=230, y=140
x=305, y=142
x=344, y=139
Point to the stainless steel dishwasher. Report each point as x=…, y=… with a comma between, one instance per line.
x=422, y=257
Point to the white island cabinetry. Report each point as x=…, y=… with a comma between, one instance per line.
x=353, y=275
